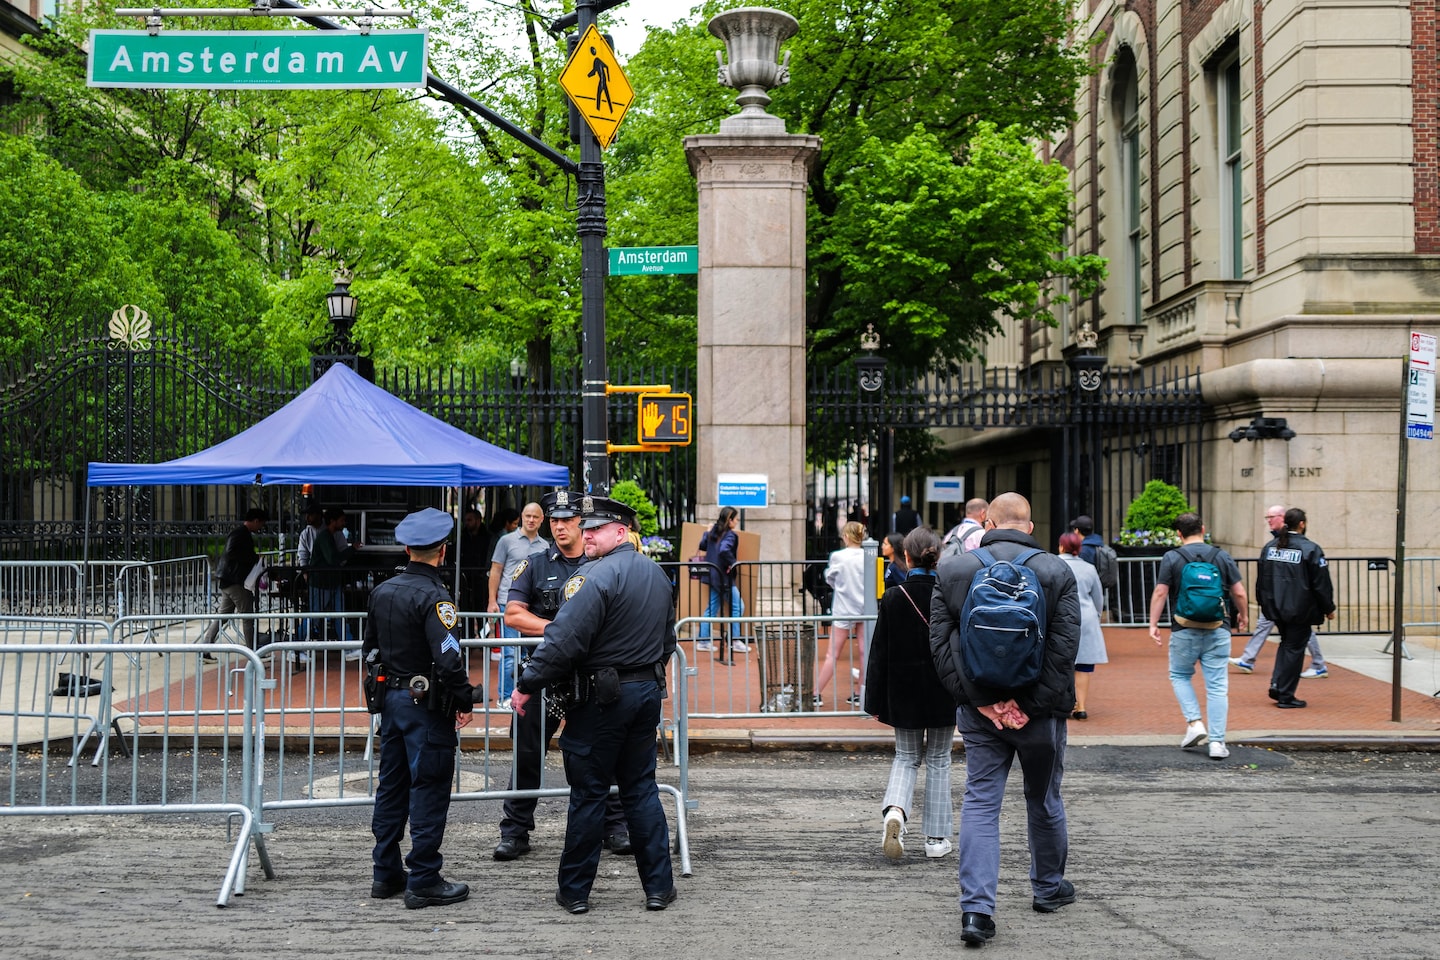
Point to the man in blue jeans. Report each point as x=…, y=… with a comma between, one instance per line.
x=1204, y=641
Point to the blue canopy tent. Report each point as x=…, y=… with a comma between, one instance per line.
x=341, y=430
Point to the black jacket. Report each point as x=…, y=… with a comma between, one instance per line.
x=1054, y=693
x=901, y=686
x=239, y=557
x=413, y=622
x=618, y=612
x=1293, y=582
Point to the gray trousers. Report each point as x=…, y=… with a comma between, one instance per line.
x=233, y=599
x=1263, y=626
x=988, y=755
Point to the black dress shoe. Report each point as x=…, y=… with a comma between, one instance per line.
x=1061, y=898
x=438, y=895
x=385, y=889
x=1080, y=715
x=1274, y=694
x=659, y=901
x=511, y=848
x=976, y=928
x=619, y=843
x=1291, y=704
x=572, y=906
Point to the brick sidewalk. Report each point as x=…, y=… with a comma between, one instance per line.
x=1131, y=701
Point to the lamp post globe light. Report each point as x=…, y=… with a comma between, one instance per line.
x=341, y=306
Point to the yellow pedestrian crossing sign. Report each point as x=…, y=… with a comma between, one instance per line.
x=597, y=86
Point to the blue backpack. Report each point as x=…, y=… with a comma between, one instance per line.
x=1002, y=624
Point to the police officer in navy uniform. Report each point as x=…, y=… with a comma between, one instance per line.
x=411, y=641
x=615, y=632
x=534, y=599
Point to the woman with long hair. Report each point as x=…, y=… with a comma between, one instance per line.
x=892, y=548
x=1092, y=598
x=720, y=543
x=846, y=575
x=1295, y=593
x=903, y=690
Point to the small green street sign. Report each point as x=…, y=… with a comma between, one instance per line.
x=258, y=59
x=630, y=261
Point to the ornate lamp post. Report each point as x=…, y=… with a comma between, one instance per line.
x=1084, y=463
x=871, y=367
x=341, y=306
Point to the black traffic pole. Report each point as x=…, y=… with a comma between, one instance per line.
x=590, y=223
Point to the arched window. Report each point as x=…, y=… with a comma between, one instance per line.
x=1232, y=165
x=1125, y=104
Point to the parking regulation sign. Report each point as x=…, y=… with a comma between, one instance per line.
x=1420, y=388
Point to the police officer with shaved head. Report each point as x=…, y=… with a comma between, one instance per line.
x=610, y=641
x=416, y=680
x=536, y=594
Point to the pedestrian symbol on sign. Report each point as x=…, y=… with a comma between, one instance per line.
x=594, y=82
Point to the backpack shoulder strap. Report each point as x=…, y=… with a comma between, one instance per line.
x=983, y=555
x=1025, y=555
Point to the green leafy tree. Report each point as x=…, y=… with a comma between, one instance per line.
x=630, y=493
x=930, y=213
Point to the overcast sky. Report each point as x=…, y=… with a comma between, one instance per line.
x=628, y=22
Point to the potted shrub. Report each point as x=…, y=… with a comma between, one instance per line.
x=1150, y=519
x=1147, y=532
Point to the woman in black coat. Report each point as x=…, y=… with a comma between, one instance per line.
x=903, y=690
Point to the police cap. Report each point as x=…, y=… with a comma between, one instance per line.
x=425, y=528
x=598, y=511
x=561, y=504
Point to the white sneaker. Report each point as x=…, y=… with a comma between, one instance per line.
x=891, y=841
x=503, y=704
x=1314, y=674
x=1218, y=750
x=352, y=655
x=739, y=646
x=1193, y=734
x=937, y=847
x=702, y=646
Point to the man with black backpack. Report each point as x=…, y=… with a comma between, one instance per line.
x=1198, y=575
x=1004, y=629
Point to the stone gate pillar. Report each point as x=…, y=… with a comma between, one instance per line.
x=750, y=371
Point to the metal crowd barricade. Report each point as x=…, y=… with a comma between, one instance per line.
x=131, y=693
x=41, y=588
x=1364, y=593
x=310, y=721
x=784, y=652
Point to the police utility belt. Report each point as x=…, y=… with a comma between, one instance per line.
x=424, y=688
x=602, y=686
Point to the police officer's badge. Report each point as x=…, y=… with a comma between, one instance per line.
x=573, y=585
x=445, y=610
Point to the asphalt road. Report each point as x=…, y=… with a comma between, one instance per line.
x=1174, y=856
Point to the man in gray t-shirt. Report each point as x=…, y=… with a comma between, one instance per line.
x=1190, y=641
x=511, y=551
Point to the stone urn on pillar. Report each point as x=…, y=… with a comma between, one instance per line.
x=752, y=37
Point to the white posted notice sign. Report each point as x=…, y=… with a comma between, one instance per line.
x=1420, y=390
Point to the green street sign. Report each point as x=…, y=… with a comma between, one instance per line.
x=631, y=261
x=257, y=59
